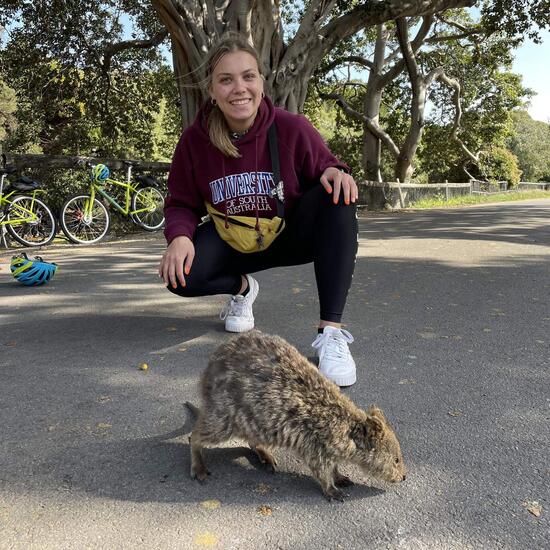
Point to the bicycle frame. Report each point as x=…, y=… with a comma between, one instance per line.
x=123, y=209
x=24, y=215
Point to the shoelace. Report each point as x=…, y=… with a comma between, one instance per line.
x=333, y=344
x=235, y=306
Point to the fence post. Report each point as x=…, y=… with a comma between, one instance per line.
x=447, y=195
x=401, y=200
x=471, y=186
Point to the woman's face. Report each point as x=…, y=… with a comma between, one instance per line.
x=237, y=88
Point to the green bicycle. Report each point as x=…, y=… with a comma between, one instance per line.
x=24, y=216
x=86, y=220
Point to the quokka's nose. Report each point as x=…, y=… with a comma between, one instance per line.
x=404, y=477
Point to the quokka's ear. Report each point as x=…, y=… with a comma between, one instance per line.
x=373, y=410
x=365, y=433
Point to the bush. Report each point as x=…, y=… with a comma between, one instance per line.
x=499, y=164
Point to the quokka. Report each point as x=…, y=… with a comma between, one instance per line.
x=259, y=388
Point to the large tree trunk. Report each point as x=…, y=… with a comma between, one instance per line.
x=193, y=26
x=372, y=146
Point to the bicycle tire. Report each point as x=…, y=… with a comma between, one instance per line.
x=77, y=228
x=37, y=232
x=151, y=198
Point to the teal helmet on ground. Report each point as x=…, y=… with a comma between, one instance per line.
x=32, y=271
x=100, y=172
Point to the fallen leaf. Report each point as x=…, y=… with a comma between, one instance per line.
x=427, y=335
x=11, y=344
x=296, y=290
x=171, y=329
x=103, y=426
x=205, y=539
x=533, y=507
x=265, y=511
x=486, y=330
x=407, y=381
x=104, y=399
x=143, y=366
x=210, y=504
x=182, y=349
x=455, y=413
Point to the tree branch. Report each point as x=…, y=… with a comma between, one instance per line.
x=439, y=74
x=356, y=59
x=372, y=126
x=113, y=49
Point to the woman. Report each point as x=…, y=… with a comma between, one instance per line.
x=224, y=159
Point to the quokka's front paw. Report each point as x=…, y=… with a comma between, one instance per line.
x=335, y=494
x=200, y=473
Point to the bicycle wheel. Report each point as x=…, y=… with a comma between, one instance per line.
x=82, y=228
x=31, y=230
x=148, y=208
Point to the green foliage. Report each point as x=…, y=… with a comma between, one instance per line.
x=75, y=99
x=8, y=105
x=499, y=164
x=530, y=142
x=517, y=19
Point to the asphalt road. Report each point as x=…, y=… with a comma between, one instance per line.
x=451, y=318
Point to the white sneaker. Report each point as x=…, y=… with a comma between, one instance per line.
x=237, y=313
x=335, y=360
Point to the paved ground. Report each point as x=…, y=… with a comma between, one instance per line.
x=450, y=312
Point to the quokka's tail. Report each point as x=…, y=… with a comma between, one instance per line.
x=194, y=410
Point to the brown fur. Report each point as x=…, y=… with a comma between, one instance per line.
x=261, y=389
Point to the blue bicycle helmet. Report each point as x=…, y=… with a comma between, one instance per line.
x=32, y=271
x=100, y=172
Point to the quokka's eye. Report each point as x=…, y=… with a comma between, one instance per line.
x=397, y=460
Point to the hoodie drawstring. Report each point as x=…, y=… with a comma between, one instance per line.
x=256, y=185
x=225, y=192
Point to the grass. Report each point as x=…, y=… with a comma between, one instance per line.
x=466, y=200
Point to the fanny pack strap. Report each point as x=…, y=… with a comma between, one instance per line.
x=277, y=191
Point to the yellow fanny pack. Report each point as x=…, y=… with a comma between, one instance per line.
x=241, y=233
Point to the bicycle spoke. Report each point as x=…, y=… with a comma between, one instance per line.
x=82, y=225
x=148, y=208
x=31, y=222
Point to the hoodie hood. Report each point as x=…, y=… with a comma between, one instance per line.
x=262, y=122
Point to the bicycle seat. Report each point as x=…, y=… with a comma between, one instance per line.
x=25, y=184
x=8, y=170
x=130, y=162
x=147, y=180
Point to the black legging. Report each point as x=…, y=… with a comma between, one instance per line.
x=318, y=231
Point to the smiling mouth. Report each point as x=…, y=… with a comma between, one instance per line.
x=240, y=101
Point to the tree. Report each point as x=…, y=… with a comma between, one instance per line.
x=530, y=142
x=450, y=57
x=83, y=84
x=288, y=66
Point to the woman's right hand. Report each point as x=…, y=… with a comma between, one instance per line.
x=177, y=259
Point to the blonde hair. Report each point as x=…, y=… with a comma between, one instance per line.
x=218, y=130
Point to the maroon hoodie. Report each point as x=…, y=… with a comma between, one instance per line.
x=201, y=173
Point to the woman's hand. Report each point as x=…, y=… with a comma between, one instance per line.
x=177, y=259
x=340, y=181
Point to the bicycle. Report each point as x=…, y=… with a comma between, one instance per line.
x=26, y=218
x=86, y=220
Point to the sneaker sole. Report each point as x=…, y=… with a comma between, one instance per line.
x=240, y=327
x=342, y=381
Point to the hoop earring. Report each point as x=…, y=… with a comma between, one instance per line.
x=263, y=95
x=213, y=101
